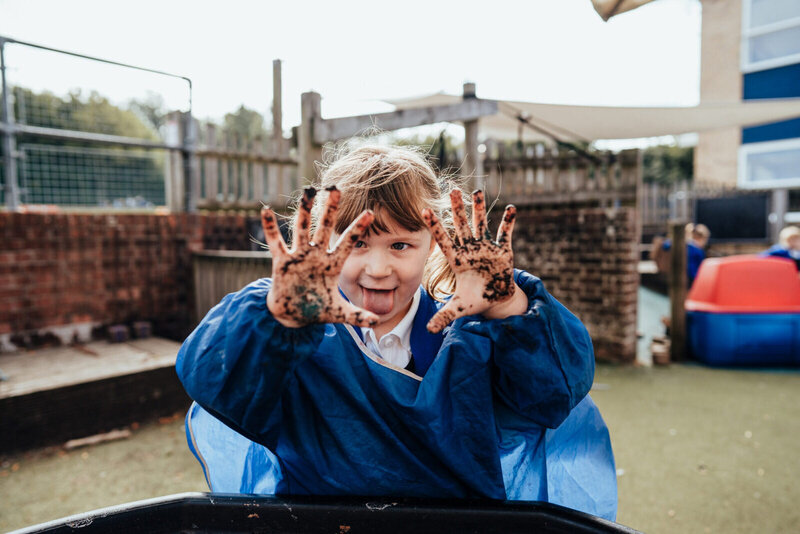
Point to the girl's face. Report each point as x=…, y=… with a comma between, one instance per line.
x=383, y=272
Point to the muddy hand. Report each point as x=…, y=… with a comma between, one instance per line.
x=305, y=279
x=484, y=268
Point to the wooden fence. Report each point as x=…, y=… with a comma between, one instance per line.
x=232, y=173
x=533, y=174
x=236, y=175
x=660, y=203
x=219, y=272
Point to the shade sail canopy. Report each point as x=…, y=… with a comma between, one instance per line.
x=544, y=122
x=609, y=8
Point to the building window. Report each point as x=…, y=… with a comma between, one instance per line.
x=773, y=164
x=770, y=34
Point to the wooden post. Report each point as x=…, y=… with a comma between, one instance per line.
x=277, y=109
x=641, y=206
x=308, y=151
x=213, y=193
x=174, y=177
x=258, y=168
x=677, y=291
x=472, y=167
x=191, y=171
x=225, y=167
x=777, y=216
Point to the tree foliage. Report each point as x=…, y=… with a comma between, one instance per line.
x=86, y=113
x=151, y=109
x=245, y=124
x=667, y=164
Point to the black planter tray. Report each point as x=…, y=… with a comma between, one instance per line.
x=224, y=513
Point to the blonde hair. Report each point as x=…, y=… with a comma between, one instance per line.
x=695, y=231
x=396, y=183
x=786, y=234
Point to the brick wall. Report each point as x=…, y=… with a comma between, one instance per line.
x=59, y=270
x=587, y=260
x=66, y=273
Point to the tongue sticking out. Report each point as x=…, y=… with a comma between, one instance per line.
x=378, y=301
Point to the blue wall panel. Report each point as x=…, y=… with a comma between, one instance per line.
x=781, y=82
x=772, y=132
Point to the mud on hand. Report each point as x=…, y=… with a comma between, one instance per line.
x=484, y=268
x=305, y=279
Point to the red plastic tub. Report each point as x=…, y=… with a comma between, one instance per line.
x=745, y=310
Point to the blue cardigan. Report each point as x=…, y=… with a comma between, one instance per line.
x=312, y=411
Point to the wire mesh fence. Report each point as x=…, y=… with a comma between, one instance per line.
x=86, y=131
x=62, y=90
x=84, y=176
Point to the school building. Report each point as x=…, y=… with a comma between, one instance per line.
x=750, y=50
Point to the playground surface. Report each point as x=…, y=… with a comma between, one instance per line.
x=697, y=450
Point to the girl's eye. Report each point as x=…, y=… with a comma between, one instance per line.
x=400, y=246
x=360, y=244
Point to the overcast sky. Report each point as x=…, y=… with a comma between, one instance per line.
x=355, y=53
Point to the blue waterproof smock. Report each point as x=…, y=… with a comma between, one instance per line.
x=694, y=257
x=779, y=251
x=495, y=408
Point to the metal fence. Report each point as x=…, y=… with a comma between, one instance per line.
x=84, y=131
x=83, y=176
x=97, y=134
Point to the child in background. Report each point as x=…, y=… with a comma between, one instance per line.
x=376, y=363
x=788, y=246
x=697, y=236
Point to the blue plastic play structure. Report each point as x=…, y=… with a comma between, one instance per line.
x=745, y=310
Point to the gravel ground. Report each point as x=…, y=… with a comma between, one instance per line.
x=697, y=450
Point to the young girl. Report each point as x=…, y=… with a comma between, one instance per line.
x=376, y=363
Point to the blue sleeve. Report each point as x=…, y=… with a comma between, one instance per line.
x=544, y=360
x=776, y=251
x=238, y=360
x=695, y=256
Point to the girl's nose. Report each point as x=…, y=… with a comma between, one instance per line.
x=378, y=264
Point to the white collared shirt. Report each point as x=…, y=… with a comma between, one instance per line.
x=394, y=346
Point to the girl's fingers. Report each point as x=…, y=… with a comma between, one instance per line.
x=351, y=314
x=350, y=237
x=440, y=235
x=300, y=238
x=479, y=226
x=325, y=228
x=507, y=226
x=272, y=232
x=459, y=216
x=449, y=312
